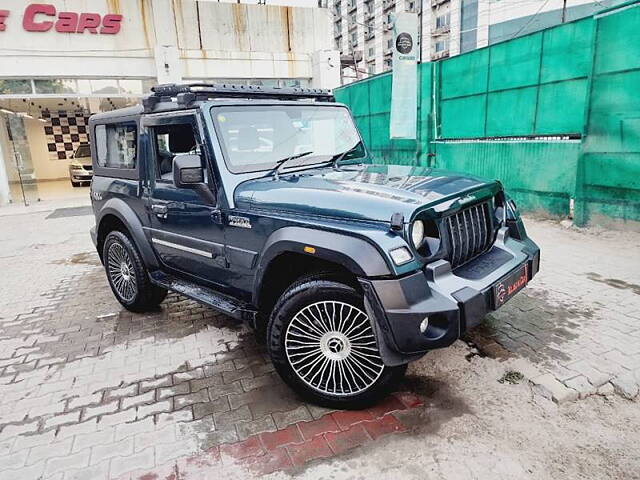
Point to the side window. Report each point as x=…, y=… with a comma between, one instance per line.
x=116, y=146
x=169, y=141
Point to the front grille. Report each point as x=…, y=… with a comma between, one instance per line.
x=470, y=233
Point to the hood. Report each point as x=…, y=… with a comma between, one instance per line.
x=84, y=161
x=366, y=192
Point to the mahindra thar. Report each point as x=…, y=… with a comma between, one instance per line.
x=265, y=204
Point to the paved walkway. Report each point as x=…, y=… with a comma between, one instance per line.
x=92, y=391
x=579, y=320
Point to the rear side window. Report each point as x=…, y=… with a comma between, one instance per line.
x=116, y=145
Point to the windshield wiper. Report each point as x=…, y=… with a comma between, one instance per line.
x=275, y=170
x=340, y=156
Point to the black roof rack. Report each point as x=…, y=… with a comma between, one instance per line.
x=186, y=94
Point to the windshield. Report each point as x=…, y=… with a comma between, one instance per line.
x=83, y=151
x=256, y=138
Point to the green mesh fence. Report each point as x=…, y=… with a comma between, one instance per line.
x=608, y=175
x=548, y=114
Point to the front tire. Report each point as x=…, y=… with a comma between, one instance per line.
x=127, y=275
x=322, y=344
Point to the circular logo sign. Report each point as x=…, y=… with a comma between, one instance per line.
x=404, y=43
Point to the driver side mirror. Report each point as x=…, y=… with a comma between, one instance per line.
x=189, y=173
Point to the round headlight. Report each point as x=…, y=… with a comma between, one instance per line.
x=417, y=233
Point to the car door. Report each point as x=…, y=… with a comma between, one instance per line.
x=185, y=229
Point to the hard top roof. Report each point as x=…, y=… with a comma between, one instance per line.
x=168, y=97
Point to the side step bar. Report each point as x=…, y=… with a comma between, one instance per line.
x=207, y=296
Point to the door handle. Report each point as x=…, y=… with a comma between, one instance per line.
x=160, y=210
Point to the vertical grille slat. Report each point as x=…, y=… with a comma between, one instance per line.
x=474, y=221
x=469, y=233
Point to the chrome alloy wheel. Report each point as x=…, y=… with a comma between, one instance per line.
x=331, y=347
x=122, y=272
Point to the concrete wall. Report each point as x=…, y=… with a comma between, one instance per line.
x=171, y=40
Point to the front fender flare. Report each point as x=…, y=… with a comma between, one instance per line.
x=355, y=254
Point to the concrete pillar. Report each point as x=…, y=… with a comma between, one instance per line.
x=168, y=65
x=325, y=65
x=5, y=195
x=454, y=35
x=166, y=53
x=484, y=11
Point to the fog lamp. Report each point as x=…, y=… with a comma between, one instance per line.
x=424, y=325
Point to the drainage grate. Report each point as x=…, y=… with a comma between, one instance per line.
x=70, y=212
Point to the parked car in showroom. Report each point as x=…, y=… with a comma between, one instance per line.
x=81, y=168
x=266, y=205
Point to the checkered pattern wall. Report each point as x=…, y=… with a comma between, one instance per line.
x=65, y=131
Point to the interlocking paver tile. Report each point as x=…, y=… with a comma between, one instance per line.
x=99, y=410
x=13, y=460
x=69, y=462
x=146, y=397
x=138, y=461
x=191, y=398
x=134, y=428
x=264, y=424
x=99, y=453
x=569, y=323
x=58, y=448
x=168, y=392
x=284, y=419
x=154, y=408
x=232, y=417
x=88, y=440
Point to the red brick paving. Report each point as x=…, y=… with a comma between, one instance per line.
x=298, y=444
x=305, y=452
x=346, y=418
x=389, y=404
x=353, y=437
x=272, y=440
x=324, y=424
x=250, y=447
x=383, y=426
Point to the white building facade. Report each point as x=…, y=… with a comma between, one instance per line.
x=362, y=28
x=67, y=59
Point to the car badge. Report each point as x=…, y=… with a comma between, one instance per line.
x=241, y=222
x=467, y=199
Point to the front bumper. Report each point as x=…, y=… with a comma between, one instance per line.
x=454, y=301
x=94, y=236
x=80, y=175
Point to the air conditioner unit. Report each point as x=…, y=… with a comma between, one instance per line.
x=439, y=55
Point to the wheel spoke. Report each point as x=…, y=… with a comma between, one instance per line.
x=121, y=272
x=331, y=347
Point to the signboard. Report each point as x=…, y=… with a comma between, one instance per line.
x=404, y=86
x=42, y=17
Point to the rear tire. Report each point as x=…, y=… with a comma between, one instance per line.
x=322, y=344
x=127, y=275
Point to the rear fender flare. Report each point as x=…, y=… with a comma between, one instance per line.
x=128, y=217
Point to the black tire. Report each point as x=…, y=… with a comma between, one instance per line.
x=282, y=340
x=139, y=295
x=75, y=184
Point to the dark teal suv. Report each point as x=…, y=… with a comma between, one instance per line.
x=266, y=205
